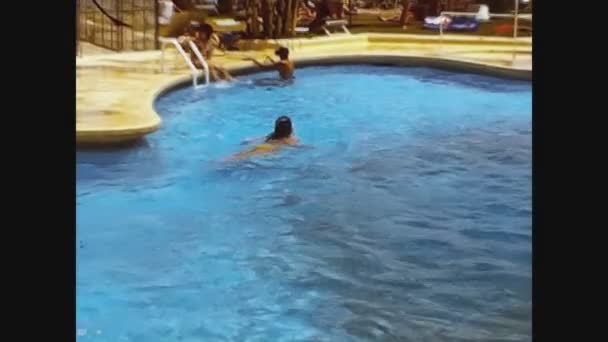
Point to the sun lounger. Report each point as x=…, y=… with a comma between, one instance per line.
x=329, y=24
x=458, y=24
x=483, y=14
x=207, y=5
x=340, y=23
x=463, y=24
x=228, y=30
x=434, y=22
x=228, y=25
x=302, y=29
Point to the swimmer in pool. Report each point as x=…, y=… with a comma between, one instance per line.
x=284, y=66
x=281, y=136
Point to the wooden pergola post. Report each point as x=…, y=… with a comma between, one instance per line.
x=450, y=5
x=515, y=21
x=77, y=27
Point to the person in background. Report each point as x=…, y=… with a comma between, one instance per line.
x=305, y=13
x=166, y=11
x=348, y=10
x=322, y=12
x=336, y=9
x=282, y=135
x=206, y=42
x=284, y=66
x=406, y=16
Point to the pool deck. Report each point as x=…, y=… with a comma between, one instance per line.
x=115, y=92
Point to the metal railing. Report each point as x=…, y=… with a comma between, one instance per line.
x=196, y=73
x=140, y=16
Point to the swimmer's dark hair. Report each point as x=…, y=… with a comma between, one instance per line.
x=206, y=29
x=282, y=129
x=282, y=52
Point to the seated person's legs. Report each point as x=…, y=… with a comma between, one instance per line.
x=220, y=73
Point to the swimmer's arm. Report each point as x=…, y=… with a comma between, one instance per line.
x=260, y=65
x=268, y=58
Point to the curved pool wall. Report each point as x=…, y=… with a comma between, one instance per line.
x=407, y=61
x=376, y=60
x=358, y=48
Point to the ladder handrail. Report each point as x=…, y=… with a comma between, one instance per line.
x=201, y=59
x=195, y=72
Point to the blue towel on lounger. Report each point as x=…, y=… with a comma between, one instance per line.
x=463, y=24
x=459, y=24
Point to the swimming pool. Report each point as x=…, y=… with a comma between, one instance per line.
x=408, y=219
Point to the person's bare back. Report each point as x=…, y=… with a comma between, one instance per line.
x=284, y=66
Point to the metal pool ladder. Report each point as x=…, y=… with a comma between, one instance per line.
x=195, y=72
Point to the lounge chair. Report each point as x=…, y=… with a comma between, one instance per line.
x=228, y=31
x=483, y=14
x=333, y=24
x=458, y=24
x=227, y=25
x=433, y=23
x=207, y=5
x=463, y=24
x=327, y=25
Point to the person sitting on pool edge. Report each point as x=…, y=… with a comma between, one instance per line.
x=284, y=66
x=206, y=41
x=281, y=136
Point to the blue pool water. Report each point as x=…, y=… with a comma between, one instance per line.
x=408, y=220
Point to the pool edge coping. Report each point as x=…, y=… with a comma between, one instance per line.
x=120, y=135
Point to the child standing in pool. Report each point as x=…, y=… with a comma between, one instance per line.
x=281, y=136
x=284, y=66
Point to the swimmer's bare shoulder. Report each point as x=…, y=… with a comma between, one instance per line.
x=291, y=141
x=295, y=142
